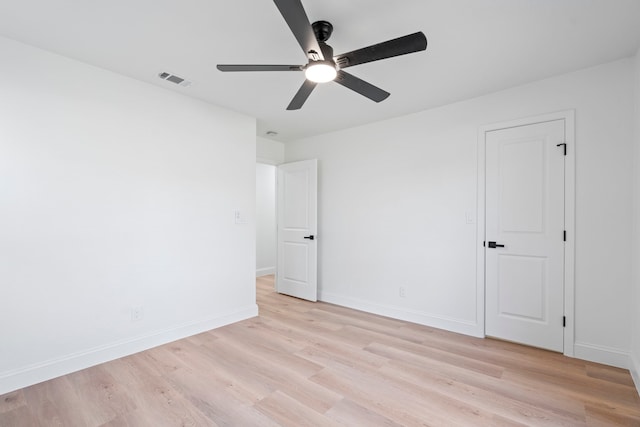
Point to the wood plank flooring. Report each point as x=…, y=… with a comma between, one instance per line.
x=306, y=364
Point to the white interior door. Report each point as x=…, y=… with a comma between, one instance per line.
x=524, y=230
x=297, y=229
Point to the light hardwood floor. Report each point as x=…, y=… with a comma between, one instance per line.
x=301, y=363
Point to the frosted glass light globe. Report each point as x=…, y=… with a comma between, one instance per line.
x=321, y=71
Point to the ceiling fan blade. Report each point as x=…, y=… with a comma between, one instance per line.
x=363, y=88
x=293, y=13
x=234, y=67
x=401, y=46
x=303, y=93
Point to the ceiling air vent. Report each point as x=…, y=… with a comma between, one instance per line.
x=174, y=79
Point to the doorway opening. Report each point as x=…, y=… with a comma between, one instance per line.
x=266, y=243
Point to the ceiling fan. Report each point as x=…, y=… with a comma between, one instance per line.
x=322, y=65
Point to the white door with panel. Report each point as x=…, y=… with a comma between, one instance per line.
x=297, y=229
x=524, y=231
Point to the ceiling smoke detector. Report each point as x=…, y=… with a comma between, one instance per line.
x=174, y=79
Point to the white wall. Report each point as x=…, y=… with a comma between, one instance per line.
x=393, y=198
x=114, y=194
x=269, y=152
x=635, y=349
x=265, y=219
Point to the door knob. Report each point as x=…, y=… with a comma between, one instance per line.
x=309, y=237
x=495, y=245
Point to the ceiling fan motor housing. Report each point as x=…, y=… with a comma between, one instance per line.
x=322, y=30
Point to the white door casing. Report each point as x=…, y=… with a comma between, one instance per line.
x=525, y=214
x=297, y=229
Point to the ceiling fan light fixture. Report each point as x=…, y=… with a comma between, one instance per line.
x=321, y=71
x=322, y=65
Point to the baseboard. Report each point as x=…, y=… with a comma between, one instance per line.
x=401, y=313
x=635, y=371
x=33, y=374
x=601, y=354
x=265, y=271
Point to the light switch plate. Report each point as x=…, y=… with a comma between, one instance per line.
x=239, y=217
x=470, y=217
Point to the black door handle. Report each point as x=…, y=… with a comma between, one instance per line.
x=309, y=237
x=495, y=245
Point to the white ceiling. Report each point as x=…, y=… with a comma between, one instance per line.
x=475, y=47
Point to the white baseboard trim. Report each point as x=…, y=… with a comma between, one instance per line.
x=265, y=271
x=36, y=373
x=635, y=371
x=601, y=354
x=401, y=313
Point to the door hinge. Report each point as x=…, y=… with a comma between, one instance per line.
x=564, y=235
x=564, y=321
x=564, y=145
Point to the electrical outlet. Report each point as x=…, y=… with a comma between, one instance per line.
x=402, y=292
x=136, y=314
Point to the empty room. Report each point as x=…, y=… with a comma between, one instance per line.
x=304, y=212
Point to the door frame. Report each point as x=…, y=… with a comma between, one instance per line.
x=569, y=218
